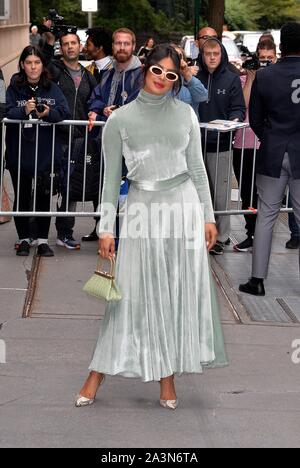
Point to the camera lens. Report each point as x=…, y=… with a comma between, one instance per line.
x=40, y=108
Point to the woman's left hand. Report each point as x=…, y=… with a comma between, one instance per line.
x=185, y=71
x=195, y=70
x=211, y=235
x=43, y=114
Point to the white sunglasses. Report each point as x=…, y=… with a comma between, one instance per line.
x=169, y=75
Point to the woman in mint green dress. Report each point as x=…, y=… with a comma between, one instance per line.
x=167, y=322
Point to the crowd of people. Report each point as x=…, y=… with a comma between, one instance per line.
x=214, y=88
x=167, y=321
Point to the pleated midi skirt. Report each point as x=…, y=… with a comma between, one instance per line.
x=168, y=319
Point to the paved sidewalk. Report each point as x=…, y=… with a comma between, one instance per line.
x=255, y=402
x=282, y=301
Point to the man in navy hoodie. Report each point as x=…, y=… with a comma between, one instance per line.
x=275, y=118
x=225, y=101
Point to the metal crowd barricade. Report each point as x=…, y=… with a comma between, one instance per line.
x=233, y=207
x=219, y=127
x=38, y=123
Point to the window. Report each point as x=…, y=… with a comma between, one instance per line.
x=4, y=9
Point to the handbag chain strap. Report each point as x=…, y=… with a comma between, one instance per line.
x=109, y=275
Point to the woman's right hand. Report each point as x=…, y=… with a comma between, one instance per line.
x=107, y=246
x=92, y=118
x=30, y=106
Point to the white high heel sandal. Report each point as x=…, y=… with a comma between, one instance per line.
x=83, y=401
x=169, y=404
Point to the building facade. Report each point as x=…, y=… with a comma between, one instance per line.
x=14, y=33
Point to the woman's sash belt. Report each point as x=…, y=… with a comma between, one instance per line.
x=167, y=184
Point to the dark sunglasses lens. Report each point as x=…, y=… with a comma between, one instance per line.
x=156, y=71
x=207, y=37
x=171, y=76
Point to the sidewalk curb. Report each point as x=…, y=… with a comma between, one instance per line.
x=32, y=286
x=239, y=311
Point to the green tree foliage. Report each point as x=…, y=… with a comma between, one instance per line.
x=154, y=15
x=134, y=14
x=255, y=14
x=241, y=15
x=276, y=12
x=70, y=9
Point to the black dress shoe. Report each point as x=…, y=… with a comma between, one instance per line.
x=293, y=243
x=44, y=251
x=253, y=288
x=23, y=249
x=91, y=237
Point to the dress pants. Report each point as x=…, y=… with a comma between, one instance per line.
x=270, y=195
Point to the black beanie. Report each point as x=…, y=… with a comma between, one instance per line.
x=290, y=38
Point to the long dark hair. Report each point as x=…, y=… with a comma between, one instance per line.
x=159, y=53
x=45, y=79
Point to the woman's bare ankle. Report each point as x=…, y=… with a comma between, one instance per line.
x=92, y=384
x=167, y=388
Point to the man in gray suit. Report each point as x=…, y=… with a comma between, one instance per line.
x=275, y=118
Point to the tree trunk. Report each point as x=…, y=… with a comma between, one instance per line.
x=216, y=15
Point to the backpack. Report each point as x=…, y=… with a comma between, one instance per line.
x=92, y=160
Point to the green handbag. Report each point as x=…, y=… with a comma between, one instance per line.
x=102, y=284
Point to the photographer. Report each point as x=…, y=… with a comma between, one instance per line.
x=266, y=55
x=31, y=94
x=77, y=85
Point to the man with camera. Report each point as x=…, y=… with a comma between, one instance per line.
x=275, y=118
x=77, y=85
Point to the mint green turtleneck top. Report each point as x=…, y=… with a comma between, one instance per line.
x=159, y=137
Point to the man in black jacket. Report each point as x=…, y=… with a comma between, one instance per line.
x=275, y=118
x=225, y=101
x=98, y=48
x=77, y=85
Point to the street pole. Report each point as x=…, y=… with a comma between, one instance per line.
x=90, y=19
x=197, y=18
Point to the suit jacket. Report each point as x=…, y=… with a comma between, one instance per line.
x=275, y=116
